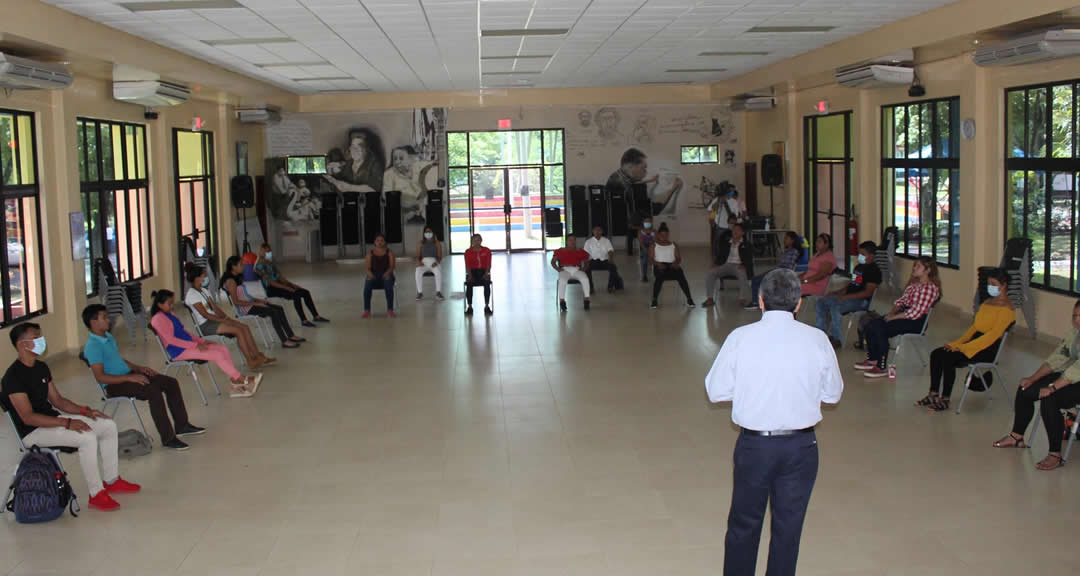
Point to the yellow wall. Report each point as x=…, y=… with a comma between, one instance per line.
x=54, y=114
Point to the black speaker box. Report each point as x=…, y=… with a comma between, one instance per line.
x=579, y=211
x=392, y=217
x=772, y=170
x=598, y=209
x=372, y=216
x=433, y=213
x=243, y=191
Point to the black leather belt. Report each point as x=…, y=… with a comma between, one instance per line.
x=771, y=433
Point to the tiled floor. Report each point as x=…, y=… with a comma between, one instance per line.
x=534, y=443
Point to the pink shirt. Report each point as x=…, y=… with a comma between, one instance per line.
x=164, y=328
x=820, y=264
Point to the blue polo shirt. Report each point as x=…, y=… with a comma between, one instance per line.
x=103, y=350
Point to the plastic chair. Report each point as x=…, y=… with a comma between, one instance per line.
x=264, y=326
x=1068, y=445
x=115, y=401
x=568, y=283
x=920, y=337
x=52, y=451
x=227, y=340
x=189, y=364
x=122, y=299
x=491, y=302
x=987, y=367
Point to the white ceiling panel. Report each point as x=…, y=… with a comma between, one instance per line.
x=389, y=45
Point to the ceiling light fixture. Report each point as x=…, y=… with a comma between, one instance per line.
x=524, y=32
x=291, y=64
x=661, y=83
x=695, y=70
x=249, y=41
x=522, y=57
x=181, y=5
x=734, y=53
x=507, y=73
x=788, y=29
x=323, y=79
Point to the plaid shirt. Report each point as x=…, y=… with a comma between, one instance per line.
x=790, y=258
x=917, y=299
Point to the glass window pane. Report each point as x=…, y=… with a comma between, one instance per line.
x=118, y=151
x=88, y=263
x=553, y=146
x=926, y=132
x=144, y=230
x=457, y=149
x=185, y=208
x=108, y=209
x=140, y=149
x=830, y=136
x=888, y=135
x=900, y=141
x=190, y=154
x=97, y=229
x=92, y=151
x=1061, y=214
x=1036, y=223
x=107, y=153
x=1062, y=137
x=122, y=249
x=1037, y=116
x=80, y=149
x=1014, y=217
x=942, y=207
x=26, y=150
x=943, y=146
x=459, y=208
x=1014, y=122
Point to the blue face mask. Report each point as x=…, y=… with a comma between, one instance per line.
x=39, y=346
x=206, y=282
x=862, y=259
x=993, y=291
x=269, y=256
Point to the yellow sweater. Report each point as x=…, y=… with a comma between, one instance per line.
x=992, y=321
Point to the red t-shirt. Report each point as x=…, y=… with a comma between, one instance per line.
x=568, y=257
x=478, y=259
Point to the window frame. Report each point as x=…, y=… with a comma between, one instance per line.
x=20, y=191
x=102, y=188
x=683, y=147
x=933, y=165
x=209, y=180
x=1049, y=166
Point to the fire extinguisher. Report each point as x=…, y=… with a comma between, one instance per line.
x=852, y=232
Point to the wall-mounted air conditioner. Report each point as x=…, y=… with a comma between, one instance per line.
x=25, y=74
x=874, y=76
x=150, y=93
x=1034, y=47
x=754, y=103
x=258, y=115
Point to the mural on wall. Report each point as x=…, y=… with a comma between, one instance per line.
x=291, y=198
x=723, y=125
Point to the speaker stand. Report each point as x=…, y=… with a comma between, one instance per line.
x=772, y=208
x=247, y=245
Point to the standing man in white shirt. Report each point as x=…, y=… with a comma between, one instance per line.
x=601, y=257
x=776, y=404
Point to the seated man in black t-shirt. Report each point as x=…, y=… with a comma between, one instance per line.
x=864, y=281
x=27, y=392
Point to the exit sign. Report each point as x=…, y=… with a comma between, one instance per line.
x=822, y=107
x=504, y=124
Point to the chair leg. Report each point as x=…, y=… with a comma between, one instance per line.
x=1068, y=446
x=138, y=418
x=7, y=494
x=213, y=379
x=967, y=383
x=198, y=385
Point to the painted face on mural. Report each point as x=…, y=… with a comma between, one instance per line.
x=281, y=181
x=358, y=149
x=403, y=161
x=638, y=171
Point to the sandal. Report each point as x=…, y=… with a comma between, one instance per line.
x=241, y=391
x=939, y=404
x=1016, y=442
x=927, y=400
x=1044, y=466
x=289, y=344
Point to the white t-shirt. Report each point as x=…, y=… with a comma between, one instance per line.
x=598, y=249
x=193, y=297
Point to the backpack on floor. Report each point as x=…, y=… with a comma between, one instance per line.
x=132, y=444
x=981, y=383
x=41, y=489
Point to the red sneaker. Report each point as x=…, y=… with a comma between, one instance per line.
x=102, y=501
x=876, y=372
x=121, y=486
x=366, y=314
x=390, y=314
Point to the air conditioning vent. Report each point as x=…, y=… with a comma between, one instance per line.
x=874, y=76
x=258, y=115
x=1035, y=47
x=754, y=103
x=25, y=74
x=150, y=93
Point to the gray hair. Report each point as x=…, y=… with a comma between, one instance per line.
x=781, y=290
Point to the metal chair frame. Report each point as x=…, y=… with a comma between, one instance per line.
x=115, y=401
x=170, y=364
x=986, y=367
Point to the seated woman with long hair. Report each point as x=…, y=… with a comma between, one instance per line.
x=978, y=344
x=906, y=317
x=180, y=345
x=233, y=283
x=1054, y=387
x=815, y=281
x=212, y=320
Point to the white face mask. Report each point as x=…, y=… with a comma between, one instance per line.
x=648, y=225
x=39, y=346
x=429, y=235
x=862, y=259
x=206, y=282
x=269, y=256
x=993, y=291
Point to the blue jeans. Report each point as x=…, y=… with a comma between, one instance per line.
x=386, y=283
x=832, y=308
x=755, y=285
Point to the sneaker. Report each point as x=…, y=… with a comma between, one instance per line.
x=653, y=304
x=439, y=296
x=488, y=311
x=102, y=501
x=708, y=303
x=865, y=365
x=390, y=314
x=321, y=319
x=190, y=430
x=858, y=345
x=876, y=372
x=419, y=295
x=176, y=444
x=468, y=311
x=586, y=304
x=562, y=305
x=366, y=314
x=121, y=486
x=690, y=304
x=307, y=324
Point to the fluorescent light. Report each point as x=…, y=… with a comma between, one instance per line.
x=524, y=32
x=734, y=53
x=249, y=41
x=323, y=79
x=655, y=83
x=291, y=64
x=522, y=57
x=789, y=29
x=677, y=70
x=181, y=5
x=507, y=73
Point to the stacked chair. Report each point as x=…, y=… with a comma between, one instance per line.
x=1017, y=264
x=121, y=299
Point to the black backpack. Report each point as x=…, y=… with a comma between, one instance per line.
x=41, y=489
x=981, y=383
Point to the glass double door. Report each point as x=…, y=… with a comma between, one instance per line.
x=827, y=145
x=506, y=207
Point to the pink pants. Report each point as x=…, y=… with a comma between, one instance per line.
x=216, y=353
